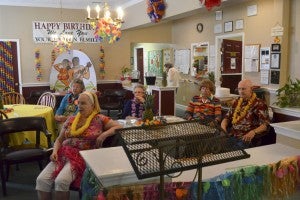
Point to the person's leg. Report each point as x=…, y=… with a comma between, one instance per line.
x=63, y=182
x=44, y=182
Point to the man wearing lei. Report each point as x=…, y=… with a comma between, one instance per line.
x=86, y=130
x=247, y=117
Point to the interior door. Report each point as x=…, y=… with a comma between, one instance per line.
x=231, y=69
x=9, y=76
x=140, y=63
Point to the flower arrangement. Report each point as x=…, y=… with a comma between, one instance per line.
x=37, y=61
x=156, y=10
x=125, y=71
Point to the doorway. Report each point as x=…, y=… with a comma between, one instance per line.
x=140, y=63
x=10, y=66
x=229, y=62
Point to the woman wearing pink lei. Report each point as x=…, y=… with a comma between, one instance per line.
x=86, y=130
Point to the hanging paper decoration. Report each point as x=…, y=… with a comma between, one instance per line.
x=107, y=29
x=101, y=63
x=156, y=10
x=53, y=56
x=62, y=46
x=209, y=4
x=38, y=65
x=6, y=67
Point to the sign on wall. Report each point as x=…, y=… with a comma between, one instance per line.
x=82, y=32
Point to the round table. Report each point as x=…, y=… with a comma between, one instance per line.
x=27, y=110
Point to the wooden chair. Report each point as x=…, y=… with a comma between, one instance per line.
x=47, y=99
x=3, y=115
x=13, y=98
x=32, y=152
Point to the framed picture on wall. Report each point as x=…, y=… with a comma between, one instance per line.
x=219, y=15
x=239, y=24
x=275, y=60
x=275, y=47
x=275, y=77
x=228, y=26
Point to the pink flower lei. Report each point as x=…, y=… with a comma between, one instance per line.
x=133, y=109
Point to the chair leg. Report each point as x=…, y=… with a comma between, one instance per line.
x=40, y=165
x=3, y=180
x=7, y=172
x=108, y=113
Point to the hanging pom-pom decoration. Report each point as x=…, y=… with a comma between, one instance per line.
x=209, y=4
x=101, y=63
x=53, y=56
x=38, y=65
x=155, y=10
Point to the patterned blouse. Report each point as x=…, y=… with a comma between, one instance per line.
x=257, y=115
x=68, y=105
x=200, y=108
x=73, y=144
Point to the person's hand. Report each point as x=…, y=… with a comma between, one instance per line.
x=140, y=99
x=99, y=141
x=60, y=118
x=249, y=136
x=53, y=156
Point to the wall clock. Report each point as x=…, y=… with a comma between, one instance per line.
x=199, y=27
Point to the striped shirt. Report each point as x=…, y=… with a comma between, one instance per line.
x=204, y=108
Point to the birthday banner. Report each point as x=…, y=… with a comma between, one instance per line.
x=82, y=32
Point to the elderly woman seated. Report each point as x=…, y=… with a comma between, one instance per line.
x=86, y=130
x=205, y=106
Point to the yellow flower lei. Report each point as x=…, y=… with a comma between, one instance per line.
x=79, y=131
x=238, y=114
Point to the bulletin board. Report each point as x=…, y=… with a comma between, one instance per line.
x=182, y=60
x=252, y=55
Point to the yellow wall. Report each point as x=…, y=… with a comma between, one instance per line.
x=16, y=23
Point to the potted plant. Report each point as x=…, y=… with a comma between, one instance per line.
x=126, y=75
x=289, y=94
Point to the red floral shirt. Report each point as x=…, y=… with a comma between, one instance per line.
x=257, y=115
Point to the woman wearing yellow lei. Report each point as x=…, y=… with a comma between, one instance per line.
x=248, y=116
x=86, y=130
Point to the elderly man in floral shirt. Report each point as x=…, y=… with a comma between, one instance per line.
x=247, y=117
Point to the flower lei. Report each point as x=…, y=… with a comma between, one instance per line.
x=133, y=109
x=76, y=132
x=156, y=10
x=238, y=114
